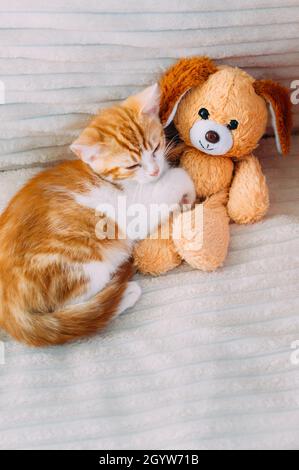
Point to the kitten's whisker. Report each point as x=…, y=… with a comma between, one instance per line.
x=171, y=141
x=170, y=147
x=169, y=150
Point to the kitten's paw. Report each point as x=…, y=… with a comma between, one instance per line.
x=180, y=187
x=188, y=198
x=130, y=297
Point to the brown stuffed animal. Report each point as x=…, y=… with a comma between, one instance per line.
x=220, y=114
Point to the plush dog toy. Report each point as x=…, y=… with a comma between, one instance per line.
x=220, y=114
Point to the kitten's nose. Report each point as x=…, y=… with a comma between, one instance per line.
x=155, y=172
x=212, y=137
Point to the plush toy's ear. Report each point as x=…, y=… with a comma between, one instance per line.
x=278, y=99
x=178, y=79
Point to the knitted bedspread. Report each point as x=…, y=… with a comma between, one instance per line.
x=203, y=360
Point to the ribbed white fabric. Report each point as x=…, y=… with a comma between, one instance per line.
x=206, y=365
x=201, y=362
x=62, y=61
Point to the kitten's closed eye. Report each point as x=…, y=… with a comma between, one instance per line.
x=156, y=149
x=132, y=167
x=154, y=152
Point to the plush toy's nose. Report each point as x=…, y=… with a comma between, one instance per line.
x=212, y=137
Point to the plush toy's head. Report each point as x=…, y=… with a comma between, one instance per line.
x=223, y=111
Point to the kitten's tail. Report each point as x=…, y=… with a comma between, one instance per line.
x=74, y=321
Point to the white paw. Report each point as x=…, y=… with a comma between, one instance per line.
x=181, y=187
x=188, y=198
x=130, y=297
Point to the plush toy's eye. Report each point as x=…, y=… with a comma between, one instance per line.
x=233, y=125
x=204, y=113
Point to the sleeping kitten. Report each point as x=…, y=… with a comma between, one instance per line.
x=58, y=280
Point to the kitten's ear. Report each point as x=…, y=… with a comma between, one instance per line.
x=85, y=150
x=147, y=101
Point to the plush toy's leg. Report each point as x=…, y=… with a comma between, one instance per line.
x=249, y=196
x=156, y=256
x=205, y=247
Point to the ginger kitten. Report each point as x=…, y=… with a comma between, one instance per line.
x=59, y=280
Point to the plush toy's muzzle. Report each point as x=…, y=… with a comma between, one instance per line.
x=210, y=137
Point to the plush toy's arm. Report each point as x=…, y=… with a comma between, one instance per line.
x=249, y=194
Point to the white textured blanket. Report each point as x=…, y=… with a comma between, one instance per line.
x=203, y=360
x=61, y=61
